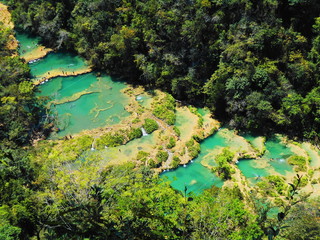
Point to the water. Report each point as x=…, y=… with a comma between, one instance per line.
x=61, y=87
x=250, y=168
x=203, y=111
x=101, y=103
x=145, y=100
x=256, y=141
x=313, y=154
x=274, y=161
x=195, y=176
x=88, y=102
x=278, y=154
x=144, y=133
x=27, y=44
x=80, y=102
x=50, y=88
x=60, y=61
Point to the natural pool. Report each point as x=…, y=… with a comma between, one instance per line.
x=250, y=170
x=27, y=42
x=313, y=153
x=85, y=102
x=274, y=161
x=80, y=102
x=197, y=177
x=194, y=175
x=59, y=61
x=145, y=100
x=61, y=87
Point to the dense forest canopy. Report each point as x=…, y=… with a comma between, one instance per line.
x=19, y=118
x=254, y=63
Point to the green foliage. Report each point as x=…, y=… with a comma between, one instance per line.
x=224, y=169
x=299, y=162
x=273, y=185
x=165, y=109
x=248, y=61
x=193, y=148
x=198, y=138
x=150, y=125
x=223, y=214
x=118, y=138
x=132, y=203
x=175, y=162
x=142, y=156
x=4, y=37
x=19, y=109
x=134, y=133
x=254, y=63
x=172, y=143
x=162, y=156
x=303, y=222
x=136, y=120
x=9, y=232
x=110, y=140
x=177, y=131
x=20, y=114
x=301, y=181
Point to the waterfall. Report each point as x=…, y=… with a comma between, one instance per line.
x=144, y=133
x=92, y=145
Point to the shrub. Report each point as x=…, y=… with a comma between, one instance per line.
x=198, y=138
x=165, y=108
x=152, y=163
x=110, y=140
x=142, y=156
x=134, y=133
x=177, y=131
x=137, y=120
x=224, y=169
x=162, y=156
x=175, y=162
x=150, y=125
x=172, y=143
x=303, y=182
x=193, y=148
x=277, y=183
x=299, y=162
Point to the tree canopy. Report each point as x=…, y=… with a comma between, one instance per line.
x=254, y=63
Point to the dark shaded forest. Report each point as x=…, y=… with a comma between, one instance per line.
x=254, y=63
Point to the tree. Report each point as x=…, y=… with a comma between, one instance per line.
x=222, y=215
x=224, y=169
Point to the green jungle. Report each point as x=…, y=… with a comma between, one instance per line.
x=144, y=119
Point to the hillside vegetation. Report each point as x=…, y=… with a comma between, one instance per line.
x=254, y=63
